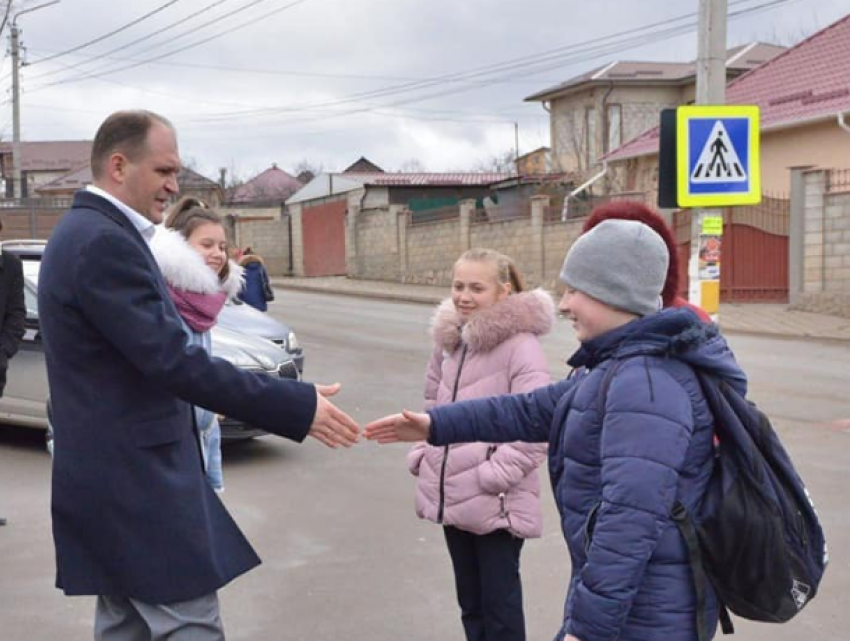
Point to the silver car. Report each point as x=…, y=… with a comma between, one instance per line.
x=25, y=400
x=245, y=319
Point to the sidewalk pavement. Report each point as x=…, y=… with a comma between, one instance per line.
x=735, y=318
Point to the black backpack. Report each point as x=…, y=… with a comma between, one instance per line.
x=756, y=536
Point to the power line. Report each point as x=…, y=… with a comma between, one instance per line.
x=533, y=61
x=97, y=74
x=6, y=15
x=195, y=100
x=562, y=55
x=411, y=85
x=251, y=70
x=412, y=81
x=105, y=56
x=110, y=34
x=600, y=52
x=404, y=116
x=601, y=48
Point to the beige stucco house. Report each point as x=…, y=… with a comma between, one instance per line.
x=534, y=163
x=597, y=112
x=801, y=94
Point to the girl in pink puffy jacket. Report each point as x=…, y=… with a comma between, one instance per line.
x=486, y=496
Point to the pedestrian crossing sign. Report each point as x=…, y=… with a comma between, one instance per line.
x=717, y=155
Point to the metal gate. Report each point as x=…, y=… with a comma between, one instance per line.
x=323, y=234
x=754, y=263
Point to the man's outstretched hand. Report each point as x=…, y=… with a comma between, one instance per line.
x=331, y=425
x=407, y=426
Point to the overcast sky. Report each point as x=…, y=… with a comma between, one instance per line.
x=281, y=81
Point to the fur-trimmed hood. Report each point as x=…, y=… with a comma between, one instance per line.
x=247, y=259
x=532, y=312
x=184, y=268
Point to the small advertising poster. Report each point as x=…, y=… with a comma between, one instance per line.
x=709, y=257
x=712, y=225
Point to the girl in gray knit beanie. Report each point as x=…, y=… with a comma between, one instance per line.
x=614, y=273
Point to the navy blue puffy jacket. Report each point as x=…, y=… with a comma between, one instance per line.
x=256, y=277
x=617, y=466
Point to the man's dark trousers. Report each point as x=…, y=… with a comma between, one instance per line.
x=489, y=590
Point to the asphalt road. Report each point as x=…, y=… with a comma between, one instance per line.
x=344, y=555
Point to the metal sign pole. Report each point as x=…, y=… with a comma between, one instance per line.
x=711, y=90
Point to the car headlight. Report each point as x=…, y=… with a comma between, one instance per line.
x=292, y=342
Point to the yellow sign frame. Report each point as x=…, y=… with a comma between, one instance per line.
x=685, y=197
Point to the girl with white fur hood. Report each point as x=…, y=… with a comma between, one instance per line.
x=191, y=250
x=486, y=496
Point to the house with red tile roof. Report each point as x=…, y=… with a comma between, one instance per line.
x=382, y=189
x=43, y=162
x=269, y=188
x=190, y=181
x=801, y=94
x=596, y=112
x=66, y=185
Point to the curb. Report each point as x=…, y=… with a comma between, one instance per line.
x=339, y=291
x=831, y=340
x=426, y=299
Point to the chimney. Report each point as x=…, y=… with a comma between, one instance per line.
x=222, y=177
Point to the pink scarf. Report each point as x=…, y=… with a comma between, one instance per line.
x=200, y=311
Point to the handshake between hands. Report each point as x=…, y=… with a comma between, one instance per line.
x=333, y=427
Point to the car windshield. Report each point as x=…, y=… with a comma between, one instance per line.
x=31, y=268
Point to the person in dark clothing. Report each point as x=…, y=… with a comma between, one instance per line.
x=257, y=291
x=135, y=520
x=13, y=313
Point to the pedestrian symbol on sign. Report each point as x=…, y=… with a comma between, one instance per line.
x=718, y=162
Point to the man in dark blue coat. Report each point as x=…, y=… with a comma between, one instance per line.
x=134, y=519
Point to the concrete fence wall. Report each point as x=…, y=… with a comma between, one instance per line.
x=820, y=247
x=266, y=234
x=377, y=243
x=384, y=245
x=32, y=218
x=432, y=250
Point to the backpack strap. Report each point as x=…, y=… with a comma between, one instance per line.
x=686, y=527
x=606, y=383
x=689, y=533
x=725, y=620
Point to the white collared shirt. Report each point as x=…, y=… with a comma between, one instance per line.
x=144, y=226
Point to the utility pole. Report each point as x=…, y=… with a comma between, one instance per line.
x=16, y=112
x=710, y=90
x=16, y=97
x=516, y=146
